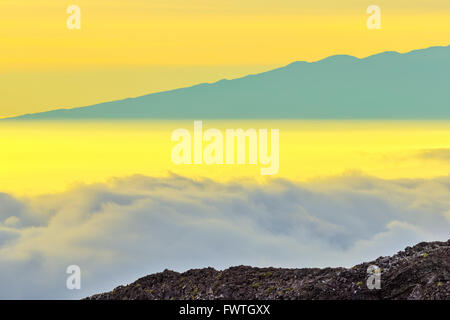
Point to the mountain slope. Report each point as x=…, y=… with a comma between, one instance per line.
x=421, y=272
x=389, y=85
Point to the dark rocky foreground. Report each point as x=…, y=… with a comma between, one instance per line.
x=419, y=272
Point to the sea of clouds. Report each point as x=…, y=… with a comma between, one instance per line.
x=130, y=227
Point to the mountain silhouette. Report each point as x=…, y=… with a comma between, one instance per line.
x=389, y=85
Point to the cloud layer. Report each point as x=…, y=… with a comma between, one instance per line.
x=134, y=226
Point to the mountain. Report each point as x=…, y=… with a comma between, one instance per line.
x=388, y=85
x=421, y=272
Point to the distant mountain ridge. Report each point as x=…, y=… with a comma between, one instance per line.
x=389, y=85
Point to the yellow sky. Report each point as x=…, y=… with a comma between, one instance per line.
x=40, y=157
x=128, y=48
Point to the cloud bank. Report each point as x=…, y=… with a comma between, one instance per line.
x=436, y=154
x=130, y=227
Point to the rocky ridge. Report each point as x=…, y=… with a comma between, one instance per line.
x=421, y=272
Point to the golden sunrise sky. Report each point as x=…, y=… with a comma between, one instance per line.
x=134, y=47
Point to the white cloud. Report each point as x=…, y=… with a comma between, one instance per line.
x=131, y=227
